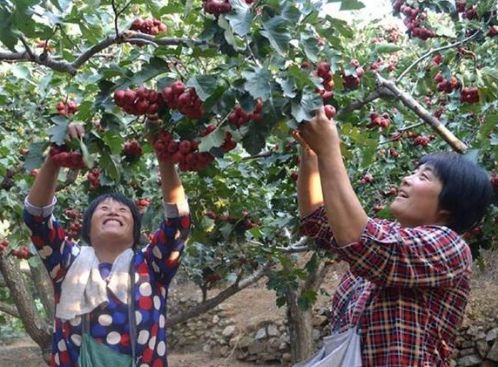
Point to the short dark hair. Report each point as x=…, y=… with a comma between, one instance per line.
x=87, y=217
x=466, y=192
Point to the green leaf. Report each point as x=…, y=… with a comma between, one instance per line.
x=204, y=85
x=304, y=109
x=6, y=35
x=258, y=82
x=310, y=46
x=59, y=131
x=254, y=141
x=113, y=141
x=34, y=158
x=351, y=5
x=240, y=18
x=275, y=30
x=87, y=158
x=341, y=27
x=155, y=67
x=387, y=48
x=109, y=166
x=213, y=140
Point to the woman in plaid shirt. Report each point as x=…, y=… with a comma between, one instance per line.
x=409, y=279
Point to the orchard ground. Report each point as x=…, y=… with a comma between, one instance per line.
x=24, y=352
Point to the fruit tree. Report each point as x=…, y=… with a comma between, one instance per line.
x=219, y=84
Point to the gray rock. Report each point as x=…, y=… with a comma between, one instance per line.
x=493, y=353
x=469, y=361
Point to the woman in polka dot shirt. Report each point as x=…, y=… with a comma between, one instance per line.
x=111, y=226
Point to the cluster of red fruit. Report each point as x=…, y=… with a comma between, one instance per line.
x=422, y=140
x=4, y=244
x=367, y=179
x=469, y=95
x=22, y=253
x=93, y=177
x=149, y=26
x=383, y=121
x=183, y=152
x=68, y=108
x=445, y=85
x=132, y=149
x=141, y=101
x=469, y=12
x=217, y=6
x=353, y=81
x=184, y=100
x=62, y=157
x=238, y=117
x=413, y=20
x=323, y=71
x=74, y=228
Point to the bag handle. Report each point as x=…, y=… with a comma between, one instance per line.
x=131, y=312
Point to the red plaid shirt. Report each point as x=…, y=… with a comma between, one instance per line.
x=406, y=289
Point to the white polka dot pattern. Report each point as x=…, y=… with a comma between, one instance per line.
x=105, y=320
x=143, y=337
x=145, y=289
x=113, y=338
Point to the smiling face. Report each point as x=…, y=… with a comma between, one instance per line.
x=111, y=224
x=417, y=202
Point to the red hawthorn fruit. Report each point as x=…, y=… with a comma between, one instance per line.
x=460, y=5
x=493, y=31
x=294, y=176
x=132, y=149
x=469, y=95
x=330, y=111
x=438, y=59
x=366, y=179
x=184, y=146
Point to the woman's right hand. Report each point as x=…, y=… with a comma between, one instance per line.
x=75, y=130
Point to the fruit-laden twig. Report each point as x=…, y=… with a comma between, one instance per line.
x=425, y=115
x=219, y=298
x=433, y=51
x=72, y=68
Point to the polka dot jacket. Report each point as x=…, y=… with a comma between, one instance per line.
x=109, y=322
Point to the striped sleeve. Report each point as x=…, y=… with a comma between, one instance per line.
x=424, y=256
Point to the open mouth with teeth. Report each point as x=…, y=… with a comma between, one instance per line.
x=113, y=220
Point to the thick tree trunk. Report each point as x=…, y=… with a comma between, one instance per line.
x=35, y=326
x=300, y=328
x=301, y=321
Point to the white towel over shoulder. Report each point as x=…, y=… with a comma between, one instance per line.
x=83, y=289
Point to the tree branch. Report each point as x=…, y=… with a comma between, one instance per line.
x=9, y=309
x=72, y=68
x=425, y=115
x=219, y=298
x=432, y=51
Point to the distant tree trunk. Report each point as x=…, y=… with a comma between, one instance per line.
x=299, y=320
